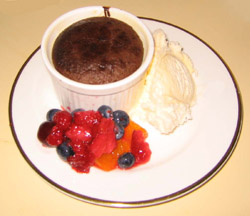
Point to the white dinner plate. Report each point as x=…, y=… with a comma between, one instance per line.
x=180, y=162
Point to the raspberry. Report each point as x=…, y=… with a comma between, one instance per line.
x=79, y=133
x=55, y=136
x=83, y=159
x=62, y=119
x=90, y=118
x=139, y=148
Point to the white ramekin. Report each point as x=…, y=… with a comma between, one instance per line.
x=122, y=94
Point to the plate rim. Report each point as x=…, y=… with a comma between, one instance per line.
x=143, y=203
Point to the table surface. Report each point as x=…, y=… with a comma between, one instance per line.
x=224, y=25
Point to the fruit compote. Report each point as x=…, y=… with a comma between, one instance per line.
x=104, y=138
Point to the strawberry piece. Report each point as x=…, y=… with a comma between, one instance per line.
x=139, y=148
x=63, y=119
x=105, y=141
x=79, y=133
x=55, y=136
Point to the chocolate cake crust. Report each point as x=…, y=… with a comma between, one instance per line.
x=97, y=50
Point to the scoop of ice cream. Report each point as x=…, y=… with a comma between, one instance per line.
x=169, y=90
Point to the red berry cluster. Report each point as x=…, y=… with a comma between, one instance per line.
x=87, y=133
x=82, y=137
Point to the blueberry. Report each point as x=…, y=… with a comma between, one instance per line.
x=76, y=110
x=51, y=113
x=126, y=160
x=64, y=150
x=121, y=118
x=106, y=111
x=119, y=131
